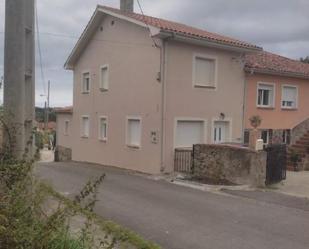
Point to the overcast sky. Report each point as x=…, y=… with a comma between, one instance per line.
x=280, y=26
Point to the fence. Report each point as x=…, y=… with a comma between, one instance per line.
x=183, y=160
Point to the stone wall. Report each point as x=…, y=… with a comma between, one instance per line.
x=230, y=163
x=299, y=131
x=63, y=154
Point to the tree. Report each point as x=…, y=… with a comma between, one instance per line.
x=305, y=59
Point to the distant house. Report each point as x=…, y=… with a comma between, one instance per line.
x=145, y=86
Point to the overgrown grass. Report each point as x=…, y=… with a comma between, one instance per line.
x=26, y=224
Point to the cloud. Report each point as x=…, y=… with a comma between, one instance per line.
x=280, y=26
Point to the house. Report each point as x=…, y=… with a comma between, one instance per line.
x=277, y=89
x=144, y=86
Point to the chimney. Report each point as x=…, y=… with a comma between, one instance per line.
x=127, y=5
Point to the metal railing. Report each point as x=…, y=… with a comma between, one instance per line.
x=183, y=161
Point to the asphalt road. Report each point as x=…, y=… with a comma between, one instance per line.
x=178, y=217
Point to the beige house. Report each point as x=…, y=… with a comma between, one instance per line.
x=144, y=86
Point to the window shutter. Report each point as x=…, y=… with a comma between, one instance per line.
x=134, y=132
x=205, y=72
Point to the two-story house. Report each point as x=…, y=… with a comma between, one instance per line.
x=144, y=86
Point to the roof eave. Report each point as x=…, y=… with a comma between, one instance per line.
x=276, y=73
x=206, y=42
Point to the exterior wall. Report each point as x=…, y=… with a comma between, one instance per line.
x=61, y=138
x=183, y=100
x=276, y=118
x=235, y=165
x=134, y=64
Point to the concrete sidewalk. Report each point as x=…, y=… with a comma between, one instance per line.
x=179, y=217
x=296, y=184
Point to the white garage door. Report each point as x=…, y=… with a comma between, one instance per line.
x=189, y=133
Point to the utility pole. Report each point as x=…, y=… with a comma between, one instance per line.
x=46, y=114
x=19, y=75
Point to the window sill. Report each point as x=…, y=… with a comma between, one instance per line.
x=103, y=90
x=133, y=146
x=265, y=107
x=204, y=86
x=103, y=140
x=85, y=137
x=85, y=92
x=289, y=108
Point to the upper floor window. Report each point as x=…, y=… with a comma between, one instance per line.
x=86, y=82
x=104, y=78
x=134, y=131
x=266, y=96
x=85, y=127
x=103, y=128
x=204, y=74
x=289, y=97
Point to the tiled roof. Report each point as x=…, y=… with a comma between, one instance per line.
x=183, y=29
x=266, y=62
x=64, y=110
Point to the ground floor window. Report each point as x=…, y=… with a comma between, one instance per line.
x=85, y=127
x=66, y=127
x=189, y=132
x=286, y=136
x=103, y=128
x=134, y=132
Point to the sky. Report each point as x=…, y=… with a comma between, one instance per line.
x=279, y=26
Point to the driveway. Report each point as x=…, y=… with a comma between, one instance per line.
x=177, y=217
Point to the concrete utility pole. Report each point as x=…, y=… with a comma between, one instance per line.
x=19, y=74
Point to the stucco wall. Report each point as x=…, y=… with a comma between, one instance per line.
x=134, y=64
x=236, y=165
x=276, y=118
x=185, y=101
x=62, y=139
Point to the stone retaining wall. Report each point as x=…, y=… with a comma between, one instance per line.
x=230, y=163
x=63, y=154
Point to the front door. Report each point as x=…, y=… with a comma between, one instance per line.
x=219, y=132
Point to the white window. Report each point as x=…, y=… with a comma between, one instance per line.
x=289, y=97
x=86, y=83
x=104, y=81
x=265, y=136
x=134, y=131
x=85, y=127
x=204, y=72
x=103, y=128
x=66, y=127
x=265, y=95
x=189, y=132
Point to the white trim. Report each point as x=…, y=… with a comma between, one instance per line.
x=134, y=146
x=206, y=57
x=100, y=83
x=82, y=82
x=66, y=133
x=227, y=120
x=188, y=119
x=82, y=126
x=273, y=104
x=99, y=128
x=267, y=140
x=296, y=104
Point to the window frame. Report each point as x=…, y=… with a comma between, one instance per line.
x=102, y=139
x=205, y=57
x=66, y=131
x=267, y=138
x=229, y=129
x=83, y=135
x=128, y=144
x=296, y=101
x=190, y=119
x=272, y=103
x=101, y=87
x=82, y=82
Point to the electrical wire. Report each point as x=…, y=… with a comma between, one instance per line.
x=144, y=17
x=39, y=49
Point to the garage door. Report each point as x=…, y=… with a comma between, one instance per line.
x=189, y=133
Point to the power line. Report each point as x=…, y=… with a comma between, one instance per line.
x=39, y=48
x=141, y=9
